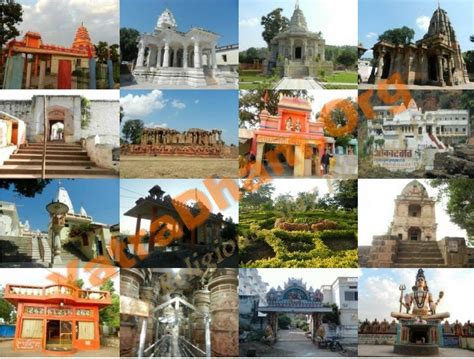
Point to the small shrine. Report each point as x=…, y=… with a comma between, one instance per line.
x=419, y=329
x=56, y=319
x=298, y=137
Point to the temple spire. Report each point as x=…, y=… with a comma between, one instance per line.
x=297, y=5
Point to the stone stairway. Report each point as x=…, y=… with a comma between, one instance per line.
x=16, y=249
x=413, y=254
x=69, y=253
x=62, y=161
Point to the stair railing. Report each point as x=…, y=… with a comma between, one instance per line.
x=45, y=136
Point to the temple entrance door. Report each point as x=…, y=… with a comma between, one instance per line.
x=56, y=130
x=432, y=68
x=58, y=335
x=387, y=59
x=414, y=234
x=298, y=53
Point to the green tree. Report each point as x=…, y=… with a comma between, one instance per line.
x=285, y=205
x=25, y=187
x=273, y=24
x=345, y=194
x=284, y=321
x=250, y=55
x=399, y=36
x=347, y=58
x=114, y=53
x=259, y=197
x=102, y=51
x=459, y=193
x=110, y=315
x=306, y=201
x=469, y=60
x=128, y=43
x=11, y=14
x=132, y=130
x=333, y=316
x=6, y=309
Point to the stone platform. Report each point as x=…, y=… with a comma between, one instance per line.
x=416, y=349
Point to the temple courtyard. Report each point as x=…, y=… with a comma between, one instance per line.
x=177, y=167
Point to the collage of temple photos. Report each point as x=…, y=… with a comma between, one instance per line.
x=236, y=178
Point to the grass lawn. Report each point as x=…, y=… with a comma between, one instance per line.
x=343, y=76
x=341, y=87
x=249, y=78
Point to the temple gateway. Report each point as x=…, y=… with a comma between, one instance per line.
x=171, y=57
x=436, y=59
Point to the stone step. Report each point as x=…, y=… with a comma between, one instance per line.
x=40, y=147
x=416, y=265
x=419, y=255
x=49, y=162
x=54, y=151
x=421, y=261
x=54, y=170
x=69, y=157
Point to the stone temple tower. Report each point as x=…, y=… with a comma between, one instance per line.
x=414, y=216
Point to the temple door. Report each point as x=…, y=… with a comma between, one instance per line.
x=64, y=75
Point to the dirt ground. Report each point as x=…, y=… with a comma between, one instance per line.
x=177, y=167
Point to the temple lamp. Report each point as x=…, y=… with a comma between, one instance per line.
x=56, y=210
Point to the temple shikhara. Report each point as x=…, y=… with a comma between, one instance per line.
x=168, y=56
x=298, y=52
x=434, y=60
x=57, y=319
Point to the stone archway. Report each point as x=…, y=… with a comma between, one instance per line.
x=414, y=234
x=60, y=115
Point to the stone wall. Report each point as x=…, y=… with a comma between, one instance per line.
x=102, y=153
x=377, y=339
x=105, y=120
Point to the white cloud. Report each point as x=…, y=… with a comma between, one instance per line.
x=250, y=22
x=156, y=125
x=142, y=105
x=371, y=35
x=58, y=20
x=178, y=104
x=196, y=101
x=423, y=22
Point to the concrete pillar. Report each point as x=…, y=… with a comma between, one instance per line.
x=201, y=301
x=185, y=56
x=292, y=50
x=28, y=75
x=197, y=56
x=224, y=308
x=130, y=281
x=42, y=74
x=175, y=57
x=158, y=57
x=141, y=55
x=166, y=56
x=148, y=58
x=214, y=57
x=299, y=161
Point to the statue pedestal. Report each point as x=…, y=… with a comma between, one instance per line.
x=418, y=339
x=416, y=349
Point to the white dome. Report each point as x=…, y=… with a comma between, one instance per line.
x=166, y=21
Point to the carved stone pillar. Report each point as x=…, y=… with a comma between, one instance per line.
x=197, y=56
x=224, y=312
x=175, y=57
x=130, y=282
x=141, y=55
x=214, y=58
x=380, y=66
x=158, y=56
x=440, y=71
x=166, y=56
x=185, y=57
x=148, y=58
x=292, y=50
x=198, y=324
x=450, y=71
x=147, y=295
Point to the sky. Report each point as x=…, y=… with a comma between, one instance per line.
x=377, y=205
x=58, y=20
x=184, y=109
x=39, y=276
x=379, y=294
x=99, y=197
x=219, y=16
x=90, y=94
x=132, y=190
x=375, y=17
x=334, y=18
x=312, y=277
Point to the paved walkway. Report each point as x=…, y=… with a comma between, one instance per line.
x=287, y=83
x=293, y=343
x=151, y=86
x=6, y=350
x=387, y=351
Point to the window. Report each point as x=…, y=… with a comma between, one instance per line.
x=224, y=58
x=32, y=328
x=420, y=130
x=86, y=331
x=350, y=296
